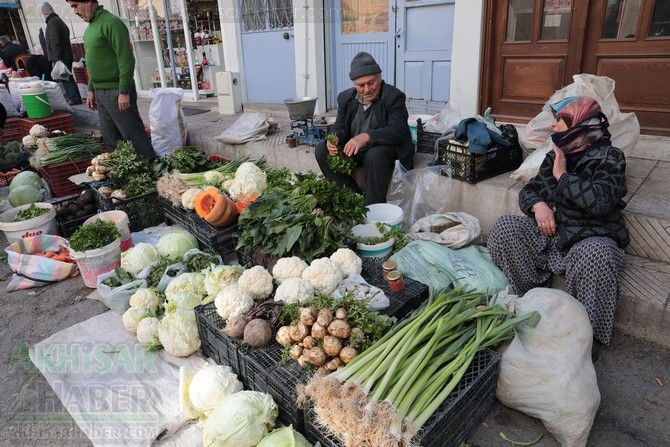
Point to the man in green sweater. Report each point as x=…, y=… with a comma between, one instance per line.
x=111, y=64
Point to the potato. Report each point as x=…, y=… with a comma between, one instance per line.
x=235, y=327
x=257, y=333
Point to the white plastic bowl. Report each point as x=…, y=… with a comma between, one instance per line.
x=391, y=215
x=377, y=252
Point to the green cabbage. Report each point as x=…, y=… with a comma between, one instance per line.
x=173, y=245
x=284, y=437
x=189, y=283
x=136, y=258
x=218, y=277
x=26, y=178
x=23, y=195
x=241, y=419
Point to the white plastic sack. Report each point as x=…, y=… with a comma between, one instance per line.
x=6, y=100
x=440, y=267
x=54, y=93
x=453, y=230
x=167, y=120
x=546, y=371
x=251, y=126
x=448, y=118
x=117, y=298
x=60, y=72
x=535, y=138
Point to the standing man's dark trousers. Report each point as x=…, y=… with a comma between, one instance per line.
x=116, y=125
x=378, y=163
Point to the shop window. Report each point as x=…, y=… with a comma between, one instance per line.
x=264, y=15
x=621, y=19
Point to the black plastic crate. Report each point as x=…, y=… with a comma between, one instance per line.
x=217, y=239
x=262, y=370
x=401, y=304
x=426, y=143
x=67, y=227
x=214, y=343
x=143, y=211
x=454, y=420
x=464, y=165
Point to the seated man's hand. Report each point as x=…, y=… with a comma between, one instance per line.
x=332, y=148
x=356, y=143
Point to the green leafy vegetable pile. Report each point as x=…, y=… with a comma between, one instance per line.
x=31, y=212
x=130, y=171
x=340, y=163
x=95, y=235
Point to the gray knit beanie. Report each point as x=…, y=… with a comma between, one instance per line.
x=46, y=8
x=363, y=65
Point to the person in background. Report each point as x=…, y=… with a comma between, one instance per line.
x=9, y=50
x=573, y=221
x=371, y=126
x=43, y=41
x=58, y=48
x=111, y=65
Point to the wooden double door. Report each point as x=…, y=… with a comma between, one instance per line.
x=534, y=47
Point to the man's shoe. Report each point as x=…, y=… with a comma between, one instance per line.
x=74, y=103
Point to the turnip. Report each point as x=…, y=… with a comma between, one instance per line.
x=308, y=342
x=235, y=327
x=308, y=315
x=298, y=331
x=325, y=317
x=283, y=336
x=340, y=329
x=295, y=352
x=316, y=355
x=332, y=345
x=333, y=364
x=341, y=313
x=318, y=331
x=257, y=333
x=348, y=353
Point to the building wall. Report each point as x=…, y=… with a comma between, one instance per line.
x=466, y=55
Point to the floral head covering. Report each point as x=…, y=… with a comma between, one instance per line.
x=585, y=120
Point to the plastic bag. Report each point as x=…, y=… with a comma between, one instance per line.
x=535, y=138
x=251, y=126
x=30, y=270
x=117, y=298
x=448, y=118
x=453, y=230
x=379, y=299
x=419, y=192
x=60, y=72
x=170, y=273
x=167, y=120
x=547, y=372
x=440, y=267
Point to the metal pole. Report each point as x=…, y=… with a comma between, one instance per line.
x=169, y=41
x=157, y=45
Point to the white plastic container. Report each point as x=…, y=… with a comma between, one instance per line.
x=391, y=215
x=121, y=221
x=376, y=252
x=14, y=231
x=93, y=263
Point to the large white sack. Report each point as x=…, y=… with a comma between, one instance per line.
x=535, y=138
x=166, y=120
x=546, y=371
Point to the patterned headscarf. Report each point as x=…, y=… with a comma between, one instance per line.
x=585, y=120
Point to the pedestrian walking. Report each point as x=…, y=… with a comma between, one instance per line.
x=111, y=65
x=58, y=48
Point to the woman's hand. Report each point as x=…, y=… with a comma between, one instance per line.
x=559, y=163
x=544, y=216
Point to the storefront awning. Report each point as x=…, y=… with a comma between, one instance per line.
x=10, y=4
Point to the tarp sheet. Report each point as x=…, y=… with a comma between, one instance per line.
x=116, y=391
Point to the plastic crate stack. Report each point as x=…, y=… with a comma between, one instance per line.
x=58, y=121
x=58, y=176
x=13, y=131
x=143, y=211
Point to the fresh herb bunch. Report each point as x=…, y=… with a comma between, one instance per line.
x=399, y=236
x=129, y=171
x=31, y=212
x=122, y=277
x=346, y=206
x=95, y=235
x=185, y=159
x=340, y=163
x=200, y=261
x=157, y=271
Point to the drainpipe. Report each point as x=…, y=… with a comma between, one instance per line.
x=306, y=74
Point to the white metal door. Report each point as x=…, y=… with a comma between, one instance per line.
x=361, y=26
x=268, y=50
x=423, y=53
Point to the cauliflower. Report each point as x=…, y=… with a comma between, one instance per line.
x=147, y=332
x=188, y=198
x=233, y=300
x=249, y=181
x=218, y=277
x=178, y=333
x=144, y=297
x=257, y=281
x=286, y=268
x=294, y=290
x=324, y=275
x=348, y=261
x=214, y=178
x=131, y=318
x=210, y=385
x=29, y=141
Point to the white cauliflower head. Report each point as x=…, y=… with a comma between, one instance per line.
x=233, y=300
x=145, y=297
x=348, y=261
x=210, y=385
x=289, y=267
x=324, y=275
x=178, y=333
x=131, y=318
x=257, y=281
x=249, y=181
x=147, y=331
x=294, y=290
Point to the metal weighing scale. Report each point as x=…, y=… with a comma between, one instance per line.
x=301, y=112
